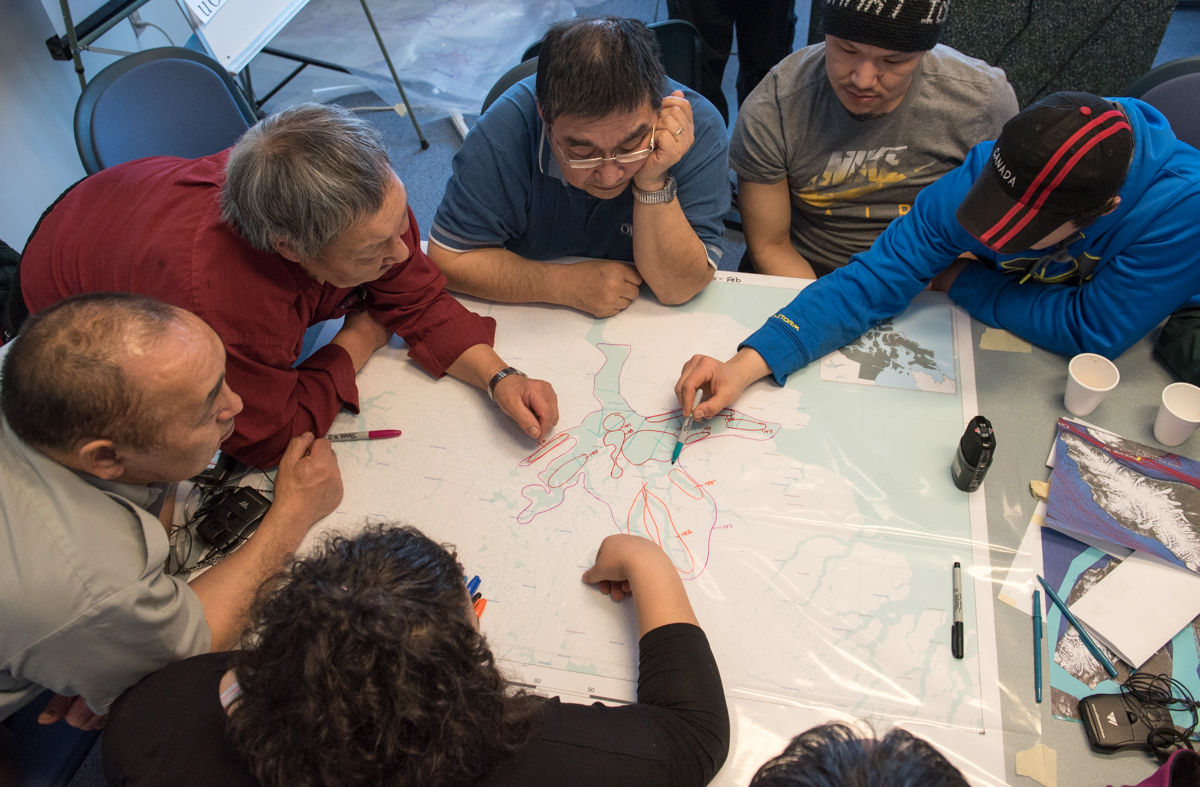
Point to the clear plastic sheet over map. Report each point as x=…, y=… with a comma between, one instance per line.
x=815, y=525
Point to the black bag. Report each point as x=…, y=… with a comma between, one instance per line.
x=1179, y=344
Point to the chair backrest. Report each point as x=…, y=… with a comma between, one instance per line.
x=679, y=42
x=160, y=102
x=1174, y=90
x=515, y=74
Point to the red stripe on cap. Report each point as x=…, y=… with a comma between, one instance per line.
x=1049, y=166
x=1037, y=206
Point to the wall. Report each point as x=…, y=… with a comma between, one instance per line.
x=38, y=159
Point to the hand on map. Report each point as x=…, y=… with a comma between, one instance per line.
x=531, y=403
x=601, y=288
x=308, y=486
x=673, y=136
x=625, y=562
x=74, y=710
x=722, y=382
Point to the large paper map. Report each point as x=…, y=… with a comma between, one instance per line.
x=815, y=525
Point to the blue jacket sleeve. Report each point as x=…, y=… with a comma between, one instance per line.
x=1128, y=296
x=878, y=283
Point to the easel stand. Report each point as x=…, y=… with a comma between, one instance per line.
x=80, y=37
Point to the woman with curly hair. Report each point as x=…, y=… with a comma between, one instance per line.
x=367, y=668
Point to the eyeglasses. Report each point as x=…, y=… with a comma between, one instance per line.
x=624, y=158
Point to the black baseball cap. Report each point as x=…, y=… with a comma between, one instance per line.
x=1060, y=156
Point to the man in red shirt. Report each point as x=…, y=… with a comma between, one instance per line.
x=303, y=220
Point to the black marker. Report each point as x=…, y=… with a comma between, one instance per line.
x=956, y=635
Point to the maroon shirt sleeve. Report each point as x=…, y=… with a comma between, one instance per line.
x=411, y=300
x=282, y=403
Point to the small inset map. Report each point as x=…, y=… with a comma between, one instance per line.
x=914, y=350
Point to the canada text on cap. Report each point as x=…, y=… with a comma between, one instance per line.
x=1059, y=157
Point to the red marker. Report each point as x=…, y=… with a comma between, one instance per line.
x=479, y=605
x=374, y=434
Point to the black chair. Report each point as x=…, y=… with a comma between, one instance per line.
x=160, y=102
x=526, y=68
x=680, y=44
x=1174, y=89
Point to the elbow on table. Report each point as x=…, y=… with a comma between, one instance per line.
x=680, y=291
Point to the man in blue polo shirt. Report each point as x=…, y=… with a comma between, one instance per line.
x=600, y=156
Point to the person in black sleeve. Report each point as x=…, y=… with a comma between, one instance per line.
x=369, y=669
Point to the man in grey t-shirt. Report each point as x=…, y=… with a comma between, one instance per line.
x=841, y=136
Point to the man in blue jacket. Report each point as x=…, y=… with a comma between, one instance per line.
x=1079, y=230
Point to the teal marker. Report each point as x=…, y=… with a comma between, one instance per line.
x=683, y=430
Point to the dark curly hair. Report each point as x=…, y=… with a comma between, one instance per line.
x=834, y=755
x=367, y=671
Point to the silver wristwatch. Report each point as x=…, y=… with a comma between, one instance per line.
x=500, y=375
x=655, y=197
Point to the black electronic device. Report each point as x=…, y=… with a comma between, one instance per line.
x=231, y=517
x=1117, y=722
x=1139, y=717
x=217, y=471
x=974, y=454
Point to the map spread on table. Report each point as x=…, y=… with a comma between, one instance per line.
x=815, y=525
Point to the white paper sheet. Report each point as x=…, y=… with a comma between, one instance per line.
x=1022, y=574
x=1139, y=606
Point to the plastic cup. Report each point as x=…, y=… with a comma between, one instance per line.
x=1089, y=378
x=1178, y=415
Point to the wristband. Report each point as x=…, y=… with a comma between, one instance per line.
x=500, y=375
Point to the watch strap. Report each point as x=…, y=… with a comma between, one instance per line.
x=665, y=194
x=500, y=375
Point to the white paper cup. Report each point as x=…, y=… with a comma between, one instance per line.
x=1089, y=378
x=1178, y=415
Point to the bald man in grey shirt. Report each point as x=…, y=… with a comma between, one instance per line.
x=841, y=136
x=106, y=399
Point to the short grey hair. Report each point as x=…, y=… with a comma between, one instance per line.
x=303, y=176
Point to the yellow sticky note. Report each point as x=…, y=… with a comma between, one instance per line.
x=1002, y=340
x=1040, y=764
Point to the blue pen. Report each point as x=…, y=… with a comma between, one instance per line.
x=683, y=431
x=473, y=585
x=1083, y=635
x=1037, y=644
